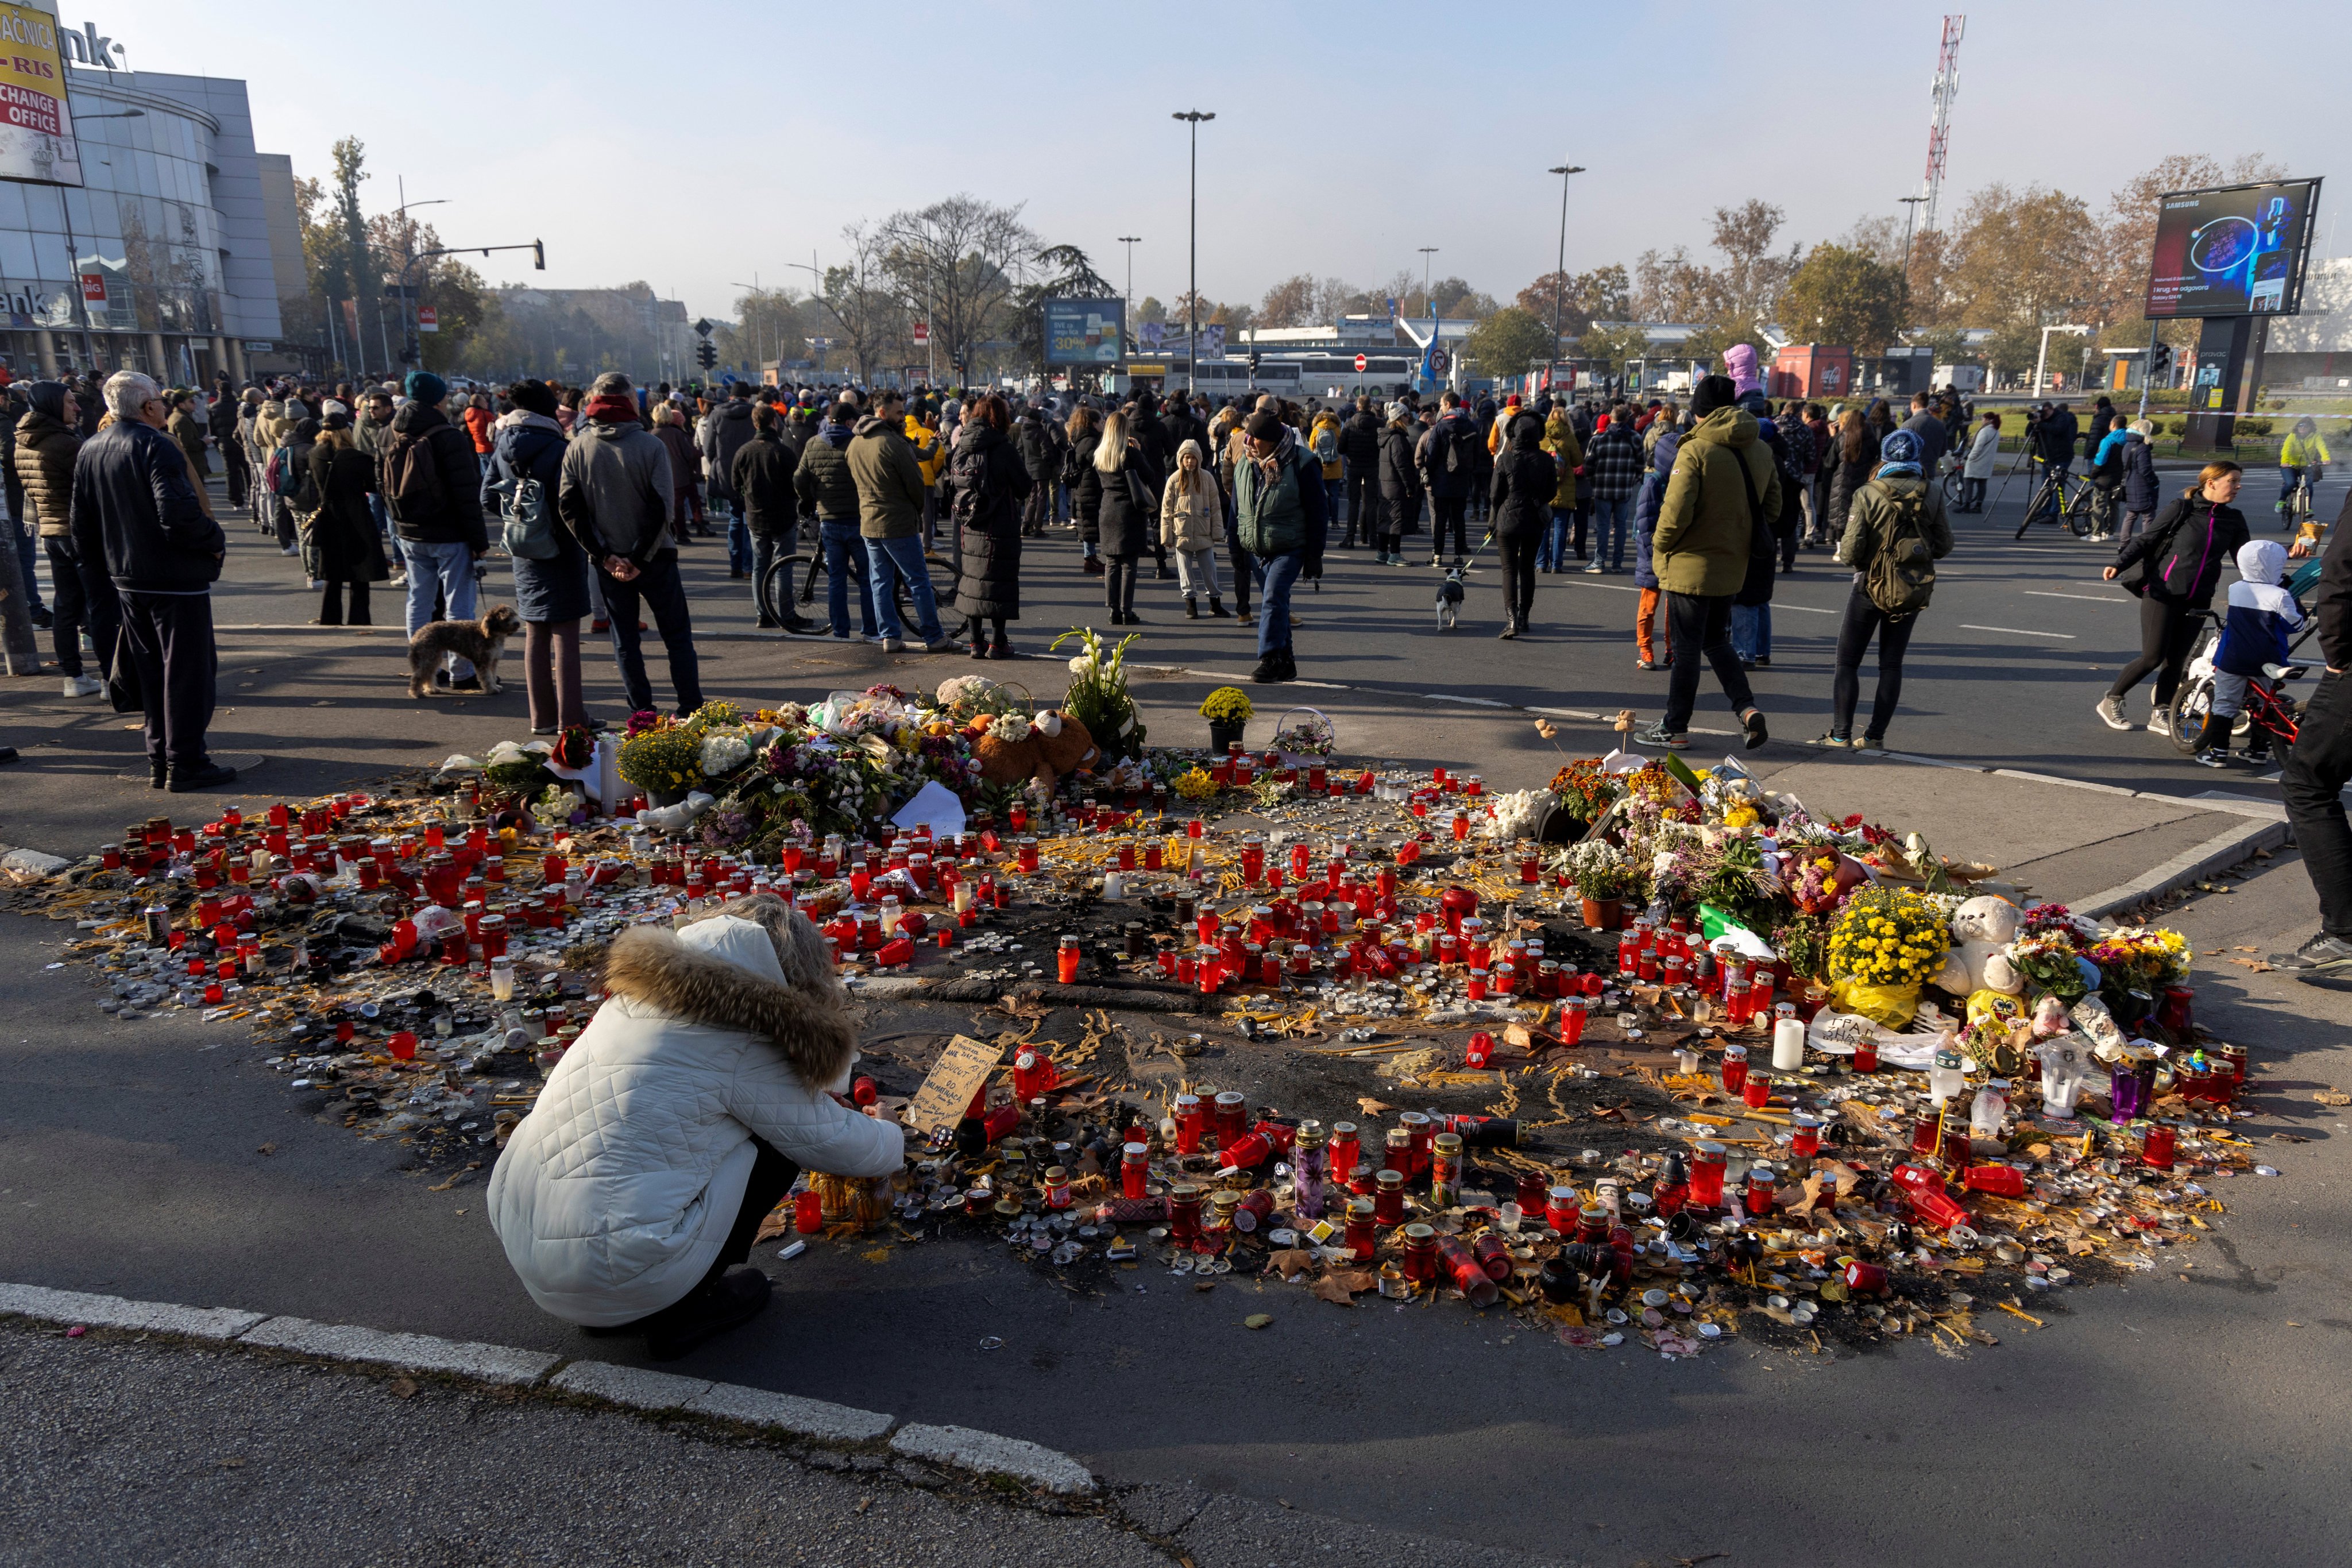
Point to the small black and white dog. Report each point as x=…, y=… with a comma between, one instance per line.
x=479, y=642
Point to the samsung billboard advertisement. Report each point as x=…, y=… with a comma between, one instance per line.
x=2235, y=251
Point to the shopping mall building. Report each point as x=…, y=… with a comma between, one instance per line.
x=173, y=256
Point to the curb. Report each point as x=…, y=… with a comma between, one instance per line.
x=982, y=1454
x=2217, y=853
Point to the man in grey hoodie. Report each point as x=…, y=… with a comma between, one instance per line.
x=614, y=497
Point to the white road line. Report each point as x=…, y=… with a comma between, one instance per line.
x=2016, y=631
x=1806, y=608
x=2086, y=598
x=1628, y=588
x=1473, y=701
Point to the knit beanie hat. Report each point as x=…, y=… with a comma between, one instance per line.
x=425, y=387
x=1713, y=392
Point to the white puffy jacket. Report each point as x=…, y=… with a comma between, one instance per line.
x=616, y=1194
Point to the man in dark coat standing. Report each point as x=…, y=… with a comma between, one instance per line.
x=761, y=479
x=135, y=507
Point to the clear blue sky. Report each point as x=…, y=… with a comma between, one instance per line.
x=1347, y=135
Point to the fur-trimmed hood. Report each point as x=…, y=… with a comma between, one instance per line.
x=758, y=967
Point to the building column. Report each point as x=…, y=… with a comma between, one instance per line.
x=238, y=372
x=158, y=360
x=220, y=356
x=45, y=345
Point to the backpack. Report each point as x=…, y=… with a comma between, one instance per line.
x=1464, y=446
x=1327, y=443
x=414, y=479
x=529, y=531
x=1763, y=545
x=280, y=475
x=1901, y=576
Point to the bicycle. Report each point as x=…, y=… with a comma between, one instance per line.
x=775, y=590
x=2073, y=510
x=2268, y=711
x=2302, y=522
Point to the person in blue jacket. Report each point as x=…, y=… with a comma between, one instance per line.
x=550, y=590
x=2263, y=621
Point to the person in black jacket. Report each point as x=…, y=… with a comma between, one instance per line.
x=1359, y=456
x=432, y=483
x=761, y=478
x=1150, y=433
x=1525, y=478
x=342, y=529
x=135, y=507
x=2180, y=558
x=220, y=422
x=2319, y=766
x=1400, y=484
x=993, y=481
x=1041, y=459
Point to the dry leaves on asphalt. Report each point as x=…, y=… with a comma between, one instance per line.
x=403, y=1387
x=2332, y=1097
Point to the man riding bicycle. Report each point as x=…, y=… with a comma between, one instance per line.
x=2303, y=461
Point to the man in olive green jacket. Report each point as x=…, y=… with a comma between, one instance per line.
x=890, y=518
x=1700, y=551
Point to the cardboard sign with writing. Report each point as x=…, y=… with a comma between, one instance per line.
x=955, y=1078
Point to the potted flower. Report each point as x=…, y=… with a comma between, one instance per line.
x=1228, y=712
x=1599, y=872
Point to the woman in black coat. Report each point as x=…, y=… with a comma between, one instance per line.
x=1400, y=484
x=1526, y=479
x=343, y=531
x=991, y=482
x=1086, y=486
x=1853, y=459
x=1129, y=482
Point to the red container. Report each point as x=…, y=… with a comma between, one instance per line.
x=1708, y=1162
x=1865, y=1278
x=1757, y=1093
x=1362, y=1231
x=1929, y=1202
x=1134, y=1170
x=1465, y=1272
x=2001, y=1181
x=808, y=1213
x=402, y=1046
x=2156, y=1147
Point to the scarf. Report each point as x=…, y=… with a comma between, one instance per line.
x=613, y=408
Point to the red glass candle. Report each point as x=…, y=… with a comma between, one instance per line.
x=1759, y=1190
x=1388, y=1198
x=1865, y=1054
x=1184, y=1213
x=808, y=1213
x=2156, y=1147
x=402, y=1046
x=1363, y=1230
x=1805, y=1137
x=1708, y=1162
x=1734, y=1069
x=1757, y=1093
x=1573, y=1011
x=1346, y=1149
x=1230, y=1118
x=1926, y=1134
x=1067, y=956
x=1134, y=1169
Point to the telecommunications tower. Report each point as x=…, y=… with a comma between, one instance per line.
x=1940, y=121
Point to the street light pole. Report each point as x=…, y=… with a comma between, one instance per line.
x=1559, y=274
x=1193, y=267
x=1427, y=304
x=1130, y=241
x=1910, y=216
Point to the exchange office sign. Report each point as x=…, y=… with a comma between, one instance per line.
x=36, y=139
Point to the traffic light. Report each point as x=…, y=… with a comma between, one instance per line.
x=1253, y=363
x=411, y=350
x=705, y=355
x=539, y=254
x=2160, y=361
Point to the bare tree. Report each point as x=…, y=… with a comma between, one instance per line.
x=1289, y=303
x=859, y=296
x=957, y=262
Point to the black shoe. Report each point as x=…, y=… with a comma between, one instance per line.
x=471, y=683
x=207, y=774
x=45, y=618
x=735, y=1296
x=2322, y=955
x=158, y=773
x=1277, y=665
x=1191, y=609
x=1164, y=573
x=770, y=624
x=1752, y=724
x=1763, y=661
x=1217, y=608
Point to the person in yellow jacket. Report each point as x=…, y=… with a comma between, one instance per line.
x=1560, y=440
x=2301, y=455
x=931, y=456
x=1323, y=440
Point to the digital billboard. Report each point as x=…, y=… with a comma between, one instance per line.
x=2235, y=251
x=1084, y=331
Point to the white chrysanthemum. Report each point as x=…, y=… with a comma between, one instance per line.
x=723, y=754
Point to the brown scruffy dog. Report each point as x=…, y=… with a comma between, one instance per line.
x=477, y=642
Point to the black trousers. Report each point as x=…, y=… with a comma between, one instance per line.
x=1451, y=511
x=2315, y=772
x=1118, y=582
x=1038, y=510
x=1519, y=551
x=238, y=471
x=80, y=597
x=2168, y=634
x=1700, y=627
x=1245, y=569
x=772, y=1177
x=169, y=640
x=1864, y=618
x=1584, y=520
x=1363, y=503
x=1972, y=494
x=331, y=605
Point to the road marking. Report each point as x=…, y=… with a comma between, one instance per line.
x=1628, y=588
x=2016, y=631
x=2086, y=598
x=1473, y=701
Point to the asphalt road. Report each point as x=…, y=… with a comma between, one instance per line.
x=133, y=1161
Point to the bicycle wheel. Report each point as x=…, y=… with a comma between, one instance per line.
x=2034, y=508
x=2078, y=513
x=774, y=591
x=2190, y=704
x=1954, y=487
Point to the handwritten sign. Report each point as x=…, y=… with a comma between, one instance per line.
x=955, y=1078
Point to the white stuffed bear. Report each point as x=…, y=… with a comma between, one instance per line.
x=1981, y=927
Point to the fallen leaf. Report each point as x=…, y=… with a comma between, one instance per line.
x=1370, y=1106
x=1328, y=1288
x=1358, y=1279
x=266, y=1148
x=2256, y=964
x=404, y=1388
x=1203, y=1287
x=455, y=1179
x=1291, y=1263
x=864, y=1503
x=1257, y=1320
x=232, y=1463
x=2333, y=1096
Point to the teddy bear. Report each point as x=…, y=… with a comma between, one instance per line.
x=1041, y=750
x=1981, y=928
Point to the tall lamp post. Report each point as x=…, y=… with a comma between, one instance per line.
x=1130, y=241
x=1193, y=266
x=1559, y=274
x=1910, y=216
x=1427, y=304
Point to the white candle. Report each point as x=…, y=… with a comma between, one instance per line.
x=1787, y=1044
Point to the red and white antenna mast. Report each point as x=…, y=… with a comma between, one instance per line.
x=1940, y=122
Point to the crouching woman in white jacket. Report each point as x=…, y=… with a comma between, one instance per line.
x=629, y=1197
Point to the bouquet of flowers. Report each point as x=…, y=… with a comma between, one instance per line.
x=1599, y=870
x=1098, y=698
x=2136, y=957
x=1193, y=783
x=2048, y=962
x=1888, y=936
x=1308, y=739
x=1584, y=791
x=1225, y=705
x=661, y=756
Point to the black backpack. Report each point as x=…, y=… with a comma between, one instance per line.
x=1763, y=546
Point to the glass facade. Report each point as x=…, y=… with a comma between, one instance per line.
x=139, y=247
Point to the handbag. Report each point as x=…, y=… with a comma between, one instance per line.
x=1763, y=547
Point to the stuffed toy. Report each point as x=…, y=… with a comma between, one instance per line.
x=1011, y=748
x=1981, y=928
